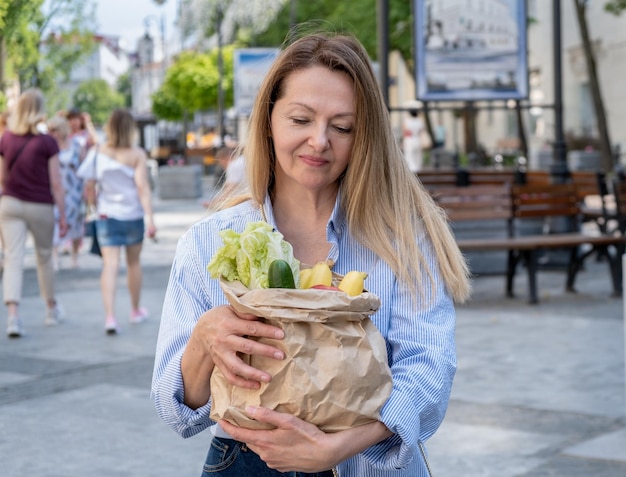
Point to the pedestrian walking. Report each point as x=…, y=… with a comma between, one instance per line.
x=233, y=166
x=117, y=186
x=413, y=145
x=31, y=186
x=82, y=130
x=4, y=122
x=325, y=170
x=69, y=160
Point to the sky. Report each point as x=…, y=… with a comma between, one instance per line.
x=126, y=18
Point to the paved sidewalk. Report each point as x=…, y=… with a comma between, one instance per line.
x=539, y=390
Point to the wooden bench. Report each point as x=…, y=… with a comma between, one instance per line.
x=517, y=203
x=618, y=211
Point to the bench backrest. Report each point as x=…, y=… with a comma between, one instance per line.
x=480, y=202
x=589, y=183
x=435, y=178
x=491, y=176
x=545, y=200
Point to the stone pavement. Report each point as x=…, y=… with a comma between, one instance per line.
x=539, y=389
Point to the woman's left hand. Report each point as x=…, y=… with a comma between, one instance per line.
x=151, y=231
x=295, y=445
x=63, y=227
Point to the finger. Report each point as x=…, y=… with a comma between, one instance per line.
x=234, y=367
x=240, y=434
x=280, y=420
x=251, y=326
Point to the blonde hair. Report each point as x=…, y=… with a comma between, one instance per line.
x=388, y=221
x=60, y=125
x=28, y=113
x=120, y=128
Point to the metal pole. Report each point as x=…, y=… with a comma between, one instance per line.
x=383, y=47
x=163, y=46
x=220, y=69
x=558, y=169
x=624, y=301
x=292, y=14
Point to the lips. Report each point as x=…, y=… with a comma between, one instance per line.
x=314, y=161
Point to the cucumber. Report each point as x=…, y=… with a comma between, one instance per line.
x=280, y=275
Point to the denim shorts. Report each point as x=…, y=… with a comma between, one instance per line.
x=230, y=458
x=116, y=233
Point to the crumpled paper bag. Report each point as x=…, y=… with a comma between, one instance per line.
x=335, y=372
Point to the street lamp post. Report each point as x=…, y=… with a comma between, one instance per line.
x=219, y=16
x=383, y=47
x=559, y=169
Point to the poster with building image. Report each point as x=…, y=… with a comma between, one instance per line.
x=250, y=67
x=470, y=50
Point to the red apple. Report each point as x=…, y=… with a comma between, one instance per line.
x=324, y=287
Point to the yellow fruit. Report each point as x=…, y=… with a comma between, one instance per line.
x=320, y=274
x=305, y=277
x=352, y=283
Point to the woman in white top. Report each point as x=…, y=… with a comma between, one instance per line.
x=411, y=144
x=123, y=202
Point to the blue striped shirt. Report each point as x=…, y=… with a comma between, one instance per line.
x=419, y=336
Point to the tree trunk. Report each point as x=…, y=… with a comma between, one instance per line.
x=2, y=64
x=521, y=132
x=594, y=86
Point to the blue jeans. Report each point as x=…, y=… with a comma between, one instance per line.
x=117, y=233
x=230, y=458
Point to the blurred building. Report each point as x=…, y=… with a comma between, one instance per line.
x=496, y=122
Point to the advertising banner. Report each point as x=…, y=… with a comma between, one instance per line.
x=470, y=50
x=251, y=65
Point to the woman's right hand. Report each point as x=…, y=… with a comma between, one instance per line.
x=225, y=334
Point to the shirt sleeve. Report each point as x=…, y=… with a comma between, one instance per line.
x=185, y=301
x=423, y=365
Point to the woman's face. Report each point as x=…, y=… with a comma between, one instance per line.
x=313, y=128
x=75, y=123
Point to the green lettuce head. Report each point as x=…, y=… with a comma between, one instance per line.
x=247, y=256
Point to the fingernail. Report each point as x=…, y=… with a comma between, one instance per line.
x=278, y=355
x=279, y=335
x=250, y=410
x=265, y=378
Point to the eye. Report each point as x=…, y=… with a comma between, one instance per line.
x=343, y=129
x=299, y=121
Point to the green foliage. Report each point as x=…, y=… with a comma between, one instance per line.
x=616, y=7
x=191, y=84
x=98, y=99
x=44, y=40
x=125, y=88
x=357, y=17
x=166, y=106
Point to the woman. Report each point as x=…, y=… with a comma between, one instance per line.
x=324, y=170
x=31, y=185
x=123, y=201
x=412, y=146
x=82, y=131
x=69, y=159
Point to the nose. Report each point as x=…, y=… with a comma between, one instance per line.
x=319, y=137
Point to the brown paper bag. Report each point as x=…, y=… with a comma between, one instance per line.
x=335, y=373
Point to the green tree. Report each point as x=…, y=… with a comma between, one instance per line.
x=616, y=7
x=17, y=40
x=41, y=41
x=191, y=84
x=357, y=17
x=98, y=99
x=125, y=88
x=580, y=7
